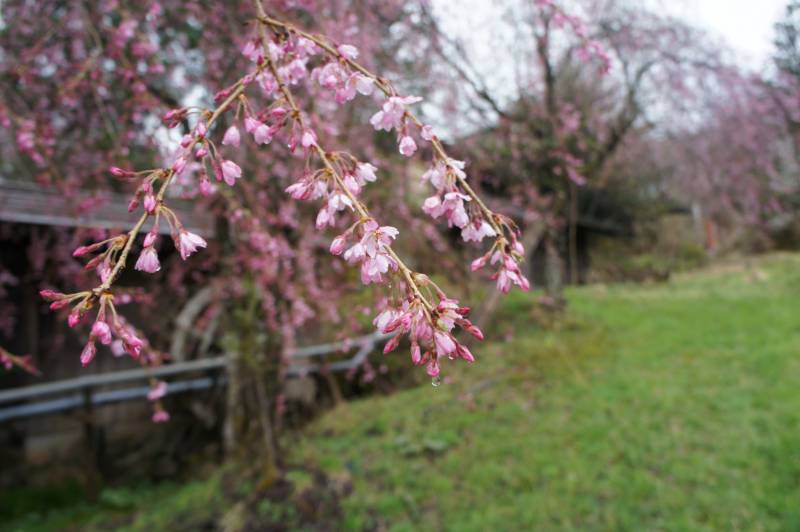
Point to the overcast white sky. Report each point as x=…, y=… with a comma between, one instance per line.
x=745, y=24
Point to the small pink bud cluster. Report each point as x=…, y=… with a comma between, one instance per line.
x=175, y=116
x=371, y=252
x=319, y=185
x=429, y=331
x=144, y=192
x=198, y=144
x=452, y=204
x=394, y=115
x=8, y=361
x=31, y=144
x=103, y=263
x=335, y=76
x=508, y=271
x=102, y=332
x=263, y=126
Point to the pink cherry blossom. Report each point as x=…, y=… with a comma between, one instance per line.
x=392, y=112
x=148, y=261
x=363, y=84
x=407, y=146
x=263, y=134
x=157, y=391
x=444, y=343
x=188, y=243
x=309, y=138
x=365, y=173
x=338, y=245
x=477, y=230
x=179, y=165
x=251, y=124
x=231, y=172
x=130, y=342
x=348, y=51
x=231, y=137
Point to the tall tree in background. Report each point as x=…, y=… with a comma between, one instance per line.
x=559, y=126
x=787, y=40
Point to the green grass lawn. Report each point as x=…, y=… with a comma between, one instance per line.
x=665, y=407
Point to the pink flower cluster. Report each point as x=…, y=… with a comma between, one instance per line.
x=394, y=115
x=451, y=203
x=429, y=331
x=453, y=199
x=370, y=252
x=103, y=329
x=345, y=85
x=589, y=49
x=508, y=271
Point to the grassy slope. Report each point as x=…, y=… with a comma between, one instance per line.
x=667, y=407
x=663, y=407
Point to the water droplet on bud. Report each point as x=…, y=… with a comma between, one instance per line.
x=436, y=381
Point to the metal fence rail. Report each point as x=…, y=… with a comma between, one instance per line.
x=80, y=392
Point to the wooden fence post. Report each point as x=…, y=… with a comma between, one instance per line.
x=92, y=472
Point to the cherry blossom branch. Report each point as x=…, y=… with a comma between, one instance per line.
x=589, y=48
x=110, y=262
x=449, y=201
x=425, y=323
x=424, y=313
x=389, y=92
x=360, y=207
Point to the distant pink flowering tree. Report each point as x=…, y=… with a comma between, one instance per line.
x=549, y=139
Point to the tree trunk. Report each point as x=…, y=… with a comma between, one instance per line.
x=573, y=233
x=554, y=279
x=253, y=375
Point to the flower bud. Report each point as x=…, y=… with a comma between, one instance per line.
x=74, y=318
x=150, y=204
x=119, y=172
x=338, y=245
x=51, y=295
x=88, y=353
x=150, y=238
x=392, y=344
